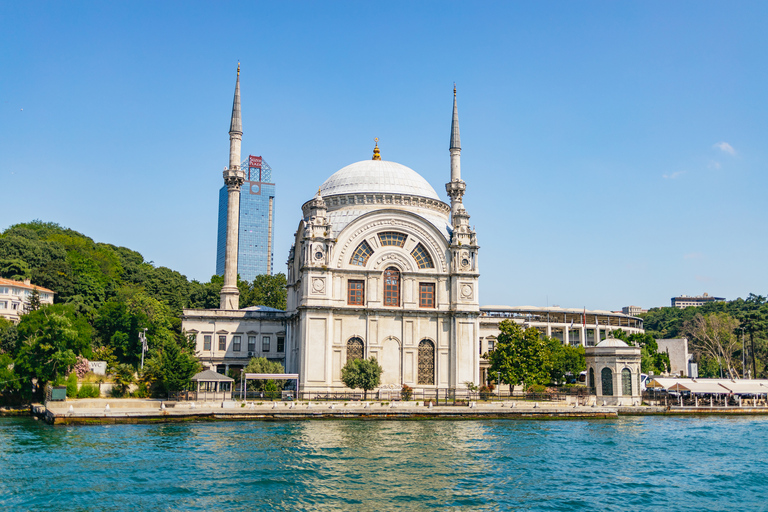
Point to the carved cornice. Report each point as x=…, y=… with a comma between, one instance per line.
x=342, y=200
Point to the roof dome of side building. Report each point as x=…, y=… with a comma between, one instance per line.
x=377, y=176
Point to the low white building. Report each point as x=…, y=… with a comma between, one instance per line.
x=15, y=296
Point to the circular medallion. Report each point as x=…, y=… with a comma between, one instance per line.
x=318, y=255
x=465, y=262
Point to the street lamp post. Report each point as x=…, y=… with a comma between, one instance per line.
x=143, y=339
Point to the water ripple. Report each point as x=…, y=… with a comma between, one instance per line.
x=629, y=463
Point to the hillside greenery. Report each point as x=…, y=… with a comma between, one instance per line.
x=726, y=338
x=105, y=295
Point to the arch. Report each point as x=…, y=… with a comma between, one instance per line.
x=394, y=238
x=426, y=373
x=391, y=361
x=355, y=349
x=626, y=382
x=361, y=255
x=392, y=287
x=423, y=228
x=592, y=389
x=422, y=257
x=606, y=376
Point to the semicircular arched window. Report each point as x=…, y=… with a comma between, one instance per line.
x=355, y=349
x=422, y=257
x=361, y=254
x=626, y=382
x=392, y=287
x=606, y=376
x=426, y=362
x=392, y=238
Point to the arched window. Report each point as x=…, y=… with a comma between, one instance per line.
x=392, y=287
x=426, y=362
x=592, y=381
x=361, y=254
x=392, y=238
x=422, y=257
x=607, y=378
x=626, y=382
x=355, y=349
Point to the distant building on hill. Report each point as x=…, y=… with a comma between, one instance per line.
x=633, y=310
x=257, y=207
x=685, y=301
x=15, y=295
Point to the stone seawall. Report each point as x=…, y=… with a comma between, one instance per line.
x=94, y=411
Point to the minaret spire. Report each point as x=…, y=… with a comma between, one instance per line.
x=233, y=179
x=455, y=187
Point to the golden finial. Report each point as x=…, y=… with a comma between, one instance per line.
x=376, y=154
x=454, y=89
x=318, y=190
x=238, y=71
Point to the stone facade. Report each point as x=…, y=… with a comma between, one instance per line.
x=613, y=373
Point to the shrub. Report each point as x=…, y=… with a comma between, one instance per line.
x=81, y=367
x=72, y=385
x=485, y=392
x=88, y=391
x=536, y=388
x=142, y=392
x=406, y=392
x=116, y=392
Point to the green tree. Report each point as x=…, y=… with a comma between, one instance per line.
x=124, y=375
x=15, y=269
x=520, y=356
x=267, y=290
x=362, y=374
x=51, y=344
x=651, y=360
x=564, y=360
x=9, y=337
x=263, y=365
x=33, y=304
x=9, y=381
x=174, y=366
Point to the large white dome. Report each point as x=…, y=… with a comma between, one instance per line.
x=377, y=176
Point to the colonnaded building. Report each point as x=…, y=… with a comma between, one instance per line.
x=380, y=266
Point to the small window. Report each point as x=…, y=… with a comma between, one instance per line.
x=15, y=305
x=207, y=342
x=251, y=343
x=281, y=343
x=236, y=343
x=265, y=344
x=607, y=377
x=392, y=287
x=361, y=254
x=355, y=291
x=222, y=343
x=626, y=382
x=422, y=257
x=392, y=238
x=427, y=295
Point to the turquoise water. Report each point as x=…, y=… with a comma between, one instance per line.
x=649, y=463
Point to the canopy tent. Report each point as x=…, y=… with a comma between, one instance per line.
x=266, y=376
x=711, y=386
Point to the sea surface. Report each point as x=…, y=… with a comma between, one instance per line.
x=631, y=463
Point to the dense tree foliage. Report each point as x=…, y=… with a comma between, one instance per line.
x=741, y=335
x=105, y=295
x=521, y=356
x=362, y=374
x=651, y=360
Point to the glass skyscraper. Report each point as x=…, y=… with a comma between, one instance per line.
x=257, y=206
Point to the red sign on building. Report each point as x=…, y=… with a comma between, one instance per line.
x=254, y=161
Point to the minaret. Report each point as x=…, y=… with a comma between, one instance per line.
x=233, y=179
x=456, y=187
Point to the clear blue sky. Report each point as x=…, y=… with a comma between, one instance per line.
x=614, y=152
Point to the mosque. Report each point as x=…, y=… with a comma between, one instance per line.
x=381, y=267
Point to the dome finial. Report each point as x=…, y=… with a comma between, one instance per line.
x=376, y=154
x=238, y=74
